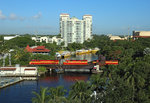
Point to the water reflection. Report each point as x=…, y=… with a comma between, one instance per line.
x=22, y=92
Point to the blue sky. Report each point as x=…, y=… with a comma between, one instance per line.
x=42, y=16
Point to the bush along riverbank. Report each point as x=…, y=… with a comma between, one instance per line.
x=41, y=70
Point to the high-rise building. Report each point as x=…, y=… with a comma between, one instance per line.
x=75, y=30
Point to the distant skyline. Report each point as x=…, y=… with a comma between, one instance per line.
x=42, y=16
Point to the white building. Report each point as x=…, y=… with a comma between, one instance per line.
x=141, y=34
x=47, y=39
x=10, y=37
x=117, y=37
x=75, y=30
x=18, y=71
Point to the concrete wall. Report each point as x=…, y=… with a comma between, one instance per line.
x=18, y=71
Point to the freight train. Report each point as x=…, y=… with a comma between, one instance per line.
x=70, y=62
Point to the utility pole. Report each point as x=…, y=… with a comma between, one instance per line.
x=35, y=38
x=128, y=32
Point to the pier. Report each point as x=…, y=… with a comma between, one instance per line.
x=4, y=82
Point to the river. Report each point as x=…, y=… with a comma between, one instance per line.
x=22, y=91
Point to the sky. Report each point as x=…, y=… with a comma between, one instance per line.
x=117, y=17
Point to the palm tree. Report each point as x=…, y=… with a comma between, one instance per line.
x=4, y=51
x=42, y=97
x=56, y=95
x=117, y=92
x=133, y=78
x=80, y=91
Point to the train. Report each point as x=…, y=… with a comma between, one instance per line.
x=106, y=62
x=75, y=62
x=44, y=62
x=70, y=62
x=56, y=62
x=111, y=62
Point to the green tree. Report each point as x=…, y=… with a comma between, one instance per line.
x=81, y=91
x=42, y=97
x=56, y=95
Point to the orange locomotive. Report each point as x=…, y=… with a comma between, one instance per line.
x=44, y=62
x=111, y=62
x=75, y=62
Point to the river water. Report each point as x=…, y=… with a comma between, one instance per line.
x=22, y=91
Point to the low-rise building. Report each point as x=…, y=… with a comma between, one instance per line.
x=18, y=71
x=142, y=34
x=58, y=41
x=10, y=37
x=47, y=39
x=37, y=50
x=117, y=38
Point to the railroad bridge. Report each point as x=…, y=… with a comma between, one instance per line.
x=72, y=64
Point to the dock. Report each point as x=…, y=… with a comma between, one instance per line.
x=9, y=81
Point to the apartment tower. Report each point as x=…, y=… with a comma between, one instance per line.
x=75, y=30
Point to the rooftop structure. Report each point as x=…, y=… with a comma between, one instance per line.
x=37, y=50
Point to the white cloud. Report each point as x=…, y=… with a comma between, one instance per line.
x=13, y=16
x=22, y=18
x=2, y=16
x=37, y=16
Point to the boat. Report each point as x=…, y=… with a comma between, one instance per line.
x=87, y=51
x=95, y=50
x=65, y=54
x=58, y=55
x=90, y=51
x=82, y=51
x=79, y=52
x=60, y=52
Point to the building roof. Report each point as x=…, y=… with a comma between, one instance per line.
x=74, y=18
x=10, y=37
x=36, y=49
x=64, y=14
x=29, y=69
x=87, y=15
x=141, y=31
x=7, y=68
